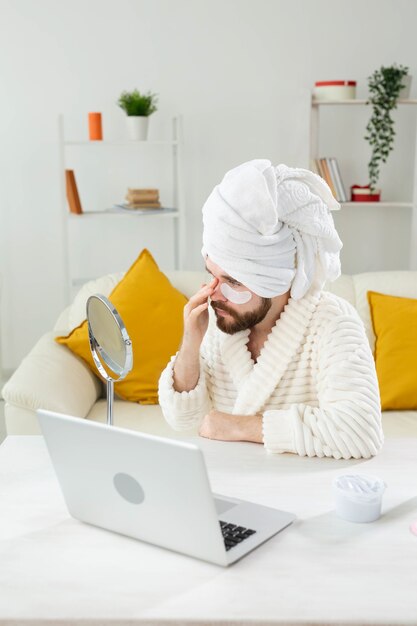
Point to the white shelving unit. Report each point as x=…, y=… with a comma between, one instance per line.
x=100, y=219
x=316, y=105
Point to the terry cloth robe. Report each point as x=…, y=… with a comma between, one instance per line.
x=314, y=382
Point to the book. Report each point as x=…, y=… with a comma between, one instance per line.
x=335, y=181
x=142, y=191
x=344, y=196
x=126, y=208
x=319, y=168
x=72, y=193
x=144, y=205
x=137, y=196
x=327, y=177
x=143, y=197
x=328, y=168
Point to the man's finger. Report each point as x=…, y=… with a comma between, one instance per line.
x=202, y=294
x=198, y=309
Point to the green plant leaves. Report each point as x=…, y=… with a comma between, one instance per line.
x=385, y=85
x=135, y=103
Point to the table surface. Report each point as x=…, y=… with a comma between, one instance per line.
x=321, y=569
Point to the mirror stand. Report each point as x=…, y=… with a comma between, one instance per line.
x=110, y=344
x=110, y=398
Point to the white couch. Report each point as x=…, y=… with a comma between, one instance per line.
x=51, y=377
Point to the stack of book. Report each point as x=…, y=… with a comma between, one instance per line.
x=328, y=169
x=143, y=199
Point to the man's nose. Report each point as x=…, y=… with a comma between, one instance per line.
x=217, y=294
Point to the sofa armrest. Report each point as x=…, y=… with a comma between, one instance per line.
x=20, y=421
x=52, y=377
x=61, y=326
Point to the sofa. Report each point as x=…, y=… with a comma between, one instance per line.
x=51, y=377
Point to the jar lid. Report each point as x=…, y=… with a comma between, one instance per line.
x=326, y=83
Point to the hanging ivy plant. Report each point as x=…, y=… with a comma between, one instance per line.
x=384, y=85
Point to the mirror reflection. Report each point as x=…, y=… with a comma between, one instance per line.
x=107, y=334
x=109, y=343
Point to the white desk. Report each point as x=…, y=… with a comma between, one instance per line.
x=321, y=569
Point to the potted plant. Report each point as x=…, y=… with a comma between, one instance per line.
x=386, y=85
x=138, y=108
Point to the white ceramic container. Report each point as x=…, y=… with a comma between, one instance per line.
x=334, y=90
x=137, y=127
x=358, y=497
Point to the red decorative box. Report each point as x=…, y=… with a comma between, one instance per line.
x=363, y=194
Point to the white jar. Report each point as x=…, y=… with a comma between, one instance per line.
x=334, y=90
x=358, y=498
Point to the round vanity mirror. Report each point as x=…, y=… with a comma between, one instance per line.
x=110, y=344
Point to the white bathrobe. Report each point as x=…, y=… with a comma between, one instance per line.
x=314, y=382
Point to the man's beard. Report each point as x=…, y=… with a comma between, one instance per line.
x=241, y=322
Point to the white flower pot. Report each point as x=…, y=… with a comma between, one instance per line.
x=137, y=127
x=406, y=86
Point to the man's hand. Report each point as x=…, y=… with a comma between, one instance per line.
x=196, y=316
x=196, y=319
x=227, y=427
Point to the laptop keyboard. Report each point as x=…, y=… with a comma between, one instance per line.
x=232, y=535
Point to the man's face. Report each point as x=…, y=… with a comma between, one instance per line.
x=232, y=318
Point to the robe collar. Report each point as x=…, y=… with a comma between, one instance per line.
x=255, y=382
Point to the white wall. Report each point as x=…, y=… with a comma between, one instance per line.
x=239, y=72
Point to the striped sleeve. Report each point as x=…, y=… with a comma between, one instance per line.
x=183, y=410
x=347, y=422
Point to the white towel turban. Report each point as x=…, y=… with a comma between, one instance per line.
x=271, y=229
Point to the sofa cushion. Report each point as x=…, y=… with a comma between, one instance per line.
x=394, y=323
x=399, y=283
x=144, y=418
x=342, y=287
x=396, y=424
x=51, y=378
x=149, y=419
x=187, y=282
x=152, y=310
x=103, y=285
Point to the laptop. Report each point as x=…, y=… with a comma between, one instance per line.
x=154, y=489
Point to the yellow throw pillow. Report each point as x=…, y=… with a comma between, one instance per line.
x=394, y=321
x=152, y=310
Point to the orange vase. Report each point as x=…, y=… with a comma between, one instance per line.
x=94, y=127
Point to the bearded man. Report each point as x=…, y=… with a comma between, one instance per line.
x=268, y=356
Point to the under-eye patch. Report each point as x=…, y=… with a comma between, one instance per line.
x=237, y=297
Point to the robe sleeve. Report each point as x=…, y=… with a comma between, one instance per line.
x=183, y=410
x=347, y=422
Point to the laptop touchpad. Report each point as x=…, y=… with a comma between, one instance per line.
x=223, y=505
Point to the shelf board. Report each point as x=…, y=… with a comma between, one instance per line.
x=165, y=212
x=125, y=142
x=353, y=102
x=377, y=204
